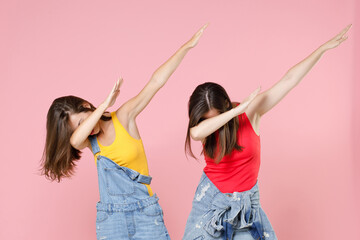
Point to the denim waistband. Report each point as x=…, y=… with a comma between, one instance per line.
x=127, y=207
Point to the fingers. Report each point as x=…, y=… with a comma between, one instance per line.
x=343, y=32
x=346, y=29
x=120, y=80
x=195, y=38
x=255, y=93
x=201, y=30
x=338, y=39
x=204, y=27
x=343, y=39
x=115, y=91
x=250, y=98
x=118, y=84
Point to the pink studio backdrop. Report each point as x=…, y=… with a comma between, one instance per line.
x=309, y=177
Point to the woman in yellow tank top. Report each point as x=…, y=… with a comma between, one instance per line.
x=126, y=150
x=74, y=124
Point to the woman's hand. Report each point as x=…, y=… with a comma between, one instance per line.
x=337, y=40
x=137, y=104
x=210, y=125
x=245, y=103
x=110, y=100
x=195, y=39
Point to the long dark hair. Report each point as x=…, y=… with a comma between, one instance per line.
x=59, y=156
x=205, y=97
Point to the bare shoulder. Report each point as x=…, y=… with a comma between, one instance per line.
x=122, y=115
x=128, y=121
x=254, y=118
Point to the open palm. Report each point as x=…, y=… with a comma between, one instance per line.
x=195, y=39
x=338, y=39
x=110, y=100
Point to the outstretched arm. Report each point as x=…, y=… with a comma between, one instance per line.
x=268, y=99
x=134, y=106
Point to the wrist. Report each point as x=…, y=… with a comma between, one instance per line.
x=235, y=111
x=103, y=106
x=187, y=46
x=323, y=48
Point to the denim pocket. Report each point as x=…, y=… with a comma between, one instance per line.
x=117, y=183
x=152, y=210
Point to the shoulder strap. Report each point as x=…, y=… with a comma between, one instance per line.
x=94, y=145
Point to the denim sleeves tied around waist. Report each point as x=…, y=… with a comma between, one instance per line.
x=234, y=209
x=217, y=215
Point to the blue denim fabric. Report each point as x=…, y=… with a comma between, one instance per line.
x=125, y=209
x=217, y=215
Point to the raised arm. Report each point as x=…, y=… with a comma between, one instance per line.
x=210, y=125
x=134, y=106
x=79, y=138
x=268, y=99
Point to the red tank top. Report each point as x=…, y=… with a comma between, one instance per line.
x=238, y=171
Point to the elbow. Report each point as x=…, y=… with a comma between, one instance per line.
x=288, y=76
x=75, y=143
x=195, y=135
x=157, y=81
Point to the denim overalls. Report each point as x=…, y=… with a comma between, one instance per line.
x=217, y=215
x=125, y=209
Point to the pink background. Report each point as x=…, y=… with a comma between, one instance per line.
x=309, y=177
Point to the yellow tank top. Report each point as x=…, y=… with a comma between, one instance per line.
x=126, y=150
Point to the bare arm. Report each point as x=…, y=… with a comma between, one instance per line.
x=210, y=125
x=79, y=138
x=134, y=106
x=268, y=99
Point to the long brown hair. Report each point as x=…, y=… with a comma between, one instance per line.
x=59, y=156
x=205, y=97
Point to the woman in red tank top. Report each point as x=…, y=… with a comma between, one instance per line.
x=229, y=133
